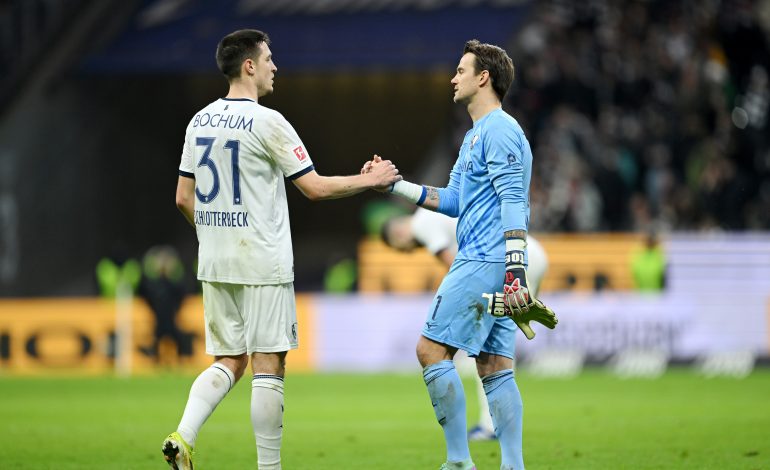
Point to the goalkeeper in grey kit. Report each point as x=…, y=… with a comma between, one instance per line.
x=488, y=191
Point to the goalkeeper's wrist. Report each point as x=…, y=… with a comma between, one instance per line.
x=410, y=191
x=514, y=252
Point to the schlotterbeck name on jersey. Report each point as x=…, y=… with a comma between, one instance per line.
x=222, y=219
x=230, y=121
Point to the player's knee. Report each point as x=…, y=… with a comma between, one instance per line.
x=236, y=364
x=487, y=364
x=430, y=352
x=421, y=356
x=269, y=363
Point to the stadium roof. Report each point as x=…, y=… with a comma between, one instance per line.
x=179, y=36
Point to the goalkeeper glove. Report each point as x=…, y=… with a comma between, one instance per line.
x=516, y=300
x=515, y=286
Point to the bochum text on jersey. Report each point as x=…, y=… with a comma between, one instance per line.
x=229, y=121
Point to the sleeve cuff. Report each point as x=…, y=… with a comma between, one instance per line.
x=301, y=172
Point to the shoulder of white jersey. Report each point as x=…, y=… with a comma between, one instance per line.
x=274, y=118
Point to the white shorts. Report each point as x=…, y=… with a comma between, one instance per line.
x=246, y=319
x=538, y=264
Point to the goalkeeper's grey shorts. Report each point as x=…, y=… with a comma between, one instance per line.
x=458, y=315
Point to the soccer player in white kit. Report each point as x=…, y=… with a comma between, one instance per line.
x=231, y=189
x=436, y=232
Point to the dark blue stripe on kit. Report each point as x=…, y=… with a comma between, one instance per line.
x=267, y=376
x=431, y=373
x=493, y=381
x=216, y=366
x=422, y=196
x=238, y=99
x=186, y=174
x=301, y=172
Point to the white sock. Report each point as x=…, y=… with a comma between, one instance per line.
x=485, y=418
x=267, y=419
x=206, y=392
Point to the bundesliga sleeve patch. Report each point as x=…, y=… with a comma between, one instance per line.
x=299, y=152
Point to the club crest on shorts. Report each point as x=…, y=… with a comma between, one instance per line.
x=299, y=152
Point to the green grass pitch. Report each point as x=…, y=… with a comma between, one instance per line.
x=344, y=421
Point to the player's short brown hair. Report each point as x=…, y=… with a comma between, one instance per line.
x=236, y=47
x=494, y=60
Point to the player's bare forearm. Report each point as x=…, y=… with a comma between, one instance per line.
x=520, y=234
x=317, y=188
x=336, y=187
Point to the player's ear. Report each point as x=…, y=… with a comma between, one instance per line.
x=484, y=78
x=248, y=67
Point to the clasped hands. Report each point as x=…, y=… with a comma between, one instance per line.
x=378, y=165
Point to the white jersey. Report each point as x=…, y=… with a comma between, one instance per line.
x=434, y=231
x=239, y=153
x=437, y=232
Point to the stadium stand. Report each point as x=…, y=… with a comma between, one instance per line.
x=642, y=115
x=576, y=261
x=646, y=114
x=383, y=269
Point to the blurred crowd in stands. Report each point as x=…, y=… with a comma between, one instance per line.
x=646, y=114
x=642, y=114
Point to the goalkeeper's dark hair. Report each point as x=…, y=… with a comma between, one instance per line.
x=494, y=60
x=236, y=47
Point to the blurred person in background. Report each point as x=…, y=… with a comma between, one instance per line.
x=489, y=190
x=118, y=271
x=432, y=230
x=436, y=232
x=163, y=288
x=231, y=189
x=648, y=265
x=118, y=276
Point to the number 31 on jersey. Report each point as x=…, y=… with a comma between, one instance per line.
x=234, y=147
